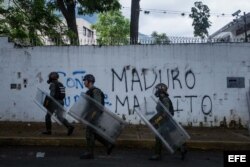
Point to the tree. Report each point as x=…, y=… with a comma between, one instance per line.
x=200, y=15
x=68, y=9
x=134, y=26
x=160, y=38
x=112, y=28
x=30, y=22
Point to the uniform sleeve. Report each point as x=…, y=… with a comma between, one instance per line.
x=97, y=95
x=52, y=88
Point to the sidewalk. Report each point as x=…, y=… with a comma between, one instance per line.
x=133, y=136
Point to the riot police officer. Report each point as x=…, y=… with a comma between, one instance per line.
x=161, y=92
x=91, y=136
x=57, y=91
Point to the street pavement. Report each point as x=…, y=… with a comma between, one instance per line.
x=40, y=156
x=133, y=136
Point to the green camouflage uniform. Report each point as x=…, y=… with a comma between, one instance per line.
x=52, y=88
x=96, y=94
x=166, y=102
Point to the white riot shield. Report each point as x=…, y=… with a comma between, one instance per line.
x=50, y=105
x=162, y=124
x=91, y=113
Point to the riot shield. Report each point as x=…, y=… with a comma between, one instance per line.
x=106, y=125
x=50, y=105
x=162, y=124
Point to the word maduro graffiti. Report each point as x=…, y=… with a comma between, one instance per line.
x=136, y=83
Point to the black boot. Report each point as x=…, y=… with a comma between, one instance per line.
x=87, y=155
x=68, y=126
x=183, y=153
x=70, y=130
x=155, y=157
x=183, y=150
x=48, y=124
x=110, y=148
x=46, y=132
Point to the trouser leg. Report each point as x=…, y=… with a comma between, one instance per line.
x=61, y=118
x=157, y=151
x=48, y=122
x=90, y=140
x=183, y=150
x=66, y=123
x=102, y=140
x=158, y=146
x=109, y=146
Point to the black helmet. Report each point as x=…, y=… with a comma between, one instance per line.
x=160, y=88
x=52, y=76
x=89, y=77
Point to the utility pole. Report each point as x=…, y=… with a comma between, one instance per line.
x=245, y=26
x=245, y=22
x=134, y=23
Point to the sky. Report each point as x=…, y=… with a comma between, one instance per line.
x=181, y=26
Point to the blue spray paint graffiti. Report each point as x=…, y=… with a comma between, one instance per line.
x=74, y=82
x=106, y=100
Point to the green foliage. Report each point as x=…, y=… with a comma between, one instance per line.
x=68, y=9
x=92, y=6
x=112, y=28
x=200, y=15
x=31, y=22
x=160, y=38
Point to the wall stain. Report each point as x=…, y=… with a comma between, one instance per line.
x=39, y=76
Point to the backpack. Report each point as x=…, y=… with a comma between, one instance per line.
x=60, y=91
x=91, y=94
x=171, y=108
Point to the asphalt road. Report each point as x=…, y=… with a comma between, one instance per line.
x=69, y=157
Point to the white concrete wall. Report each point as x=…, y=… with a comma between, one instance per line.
x=196, y=75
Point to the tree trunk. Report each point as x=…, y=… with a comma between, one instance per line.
x=134, y=25
x=67, y=8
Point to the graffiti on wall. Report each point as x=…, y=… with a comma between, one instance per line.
x=130, y=84
x=135, y=82
x=73, y=83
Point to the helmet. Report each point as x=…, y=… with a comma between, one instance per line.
x=52, y=76
x=89, y=77
x=160, y=88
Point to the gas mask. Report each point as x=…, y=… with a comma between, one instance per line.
x=52, y=76
x=160, y=89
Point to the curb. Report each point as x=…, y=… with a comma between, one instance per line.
x=121, y=143
x=218, y=145
x=40, y=141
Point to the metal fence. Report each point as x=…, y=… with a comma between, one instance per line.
x=141, y=41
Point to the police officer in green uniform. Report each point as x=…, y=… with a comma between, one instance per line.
x=57, y=91
x=91, y=136
x=162, y=94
